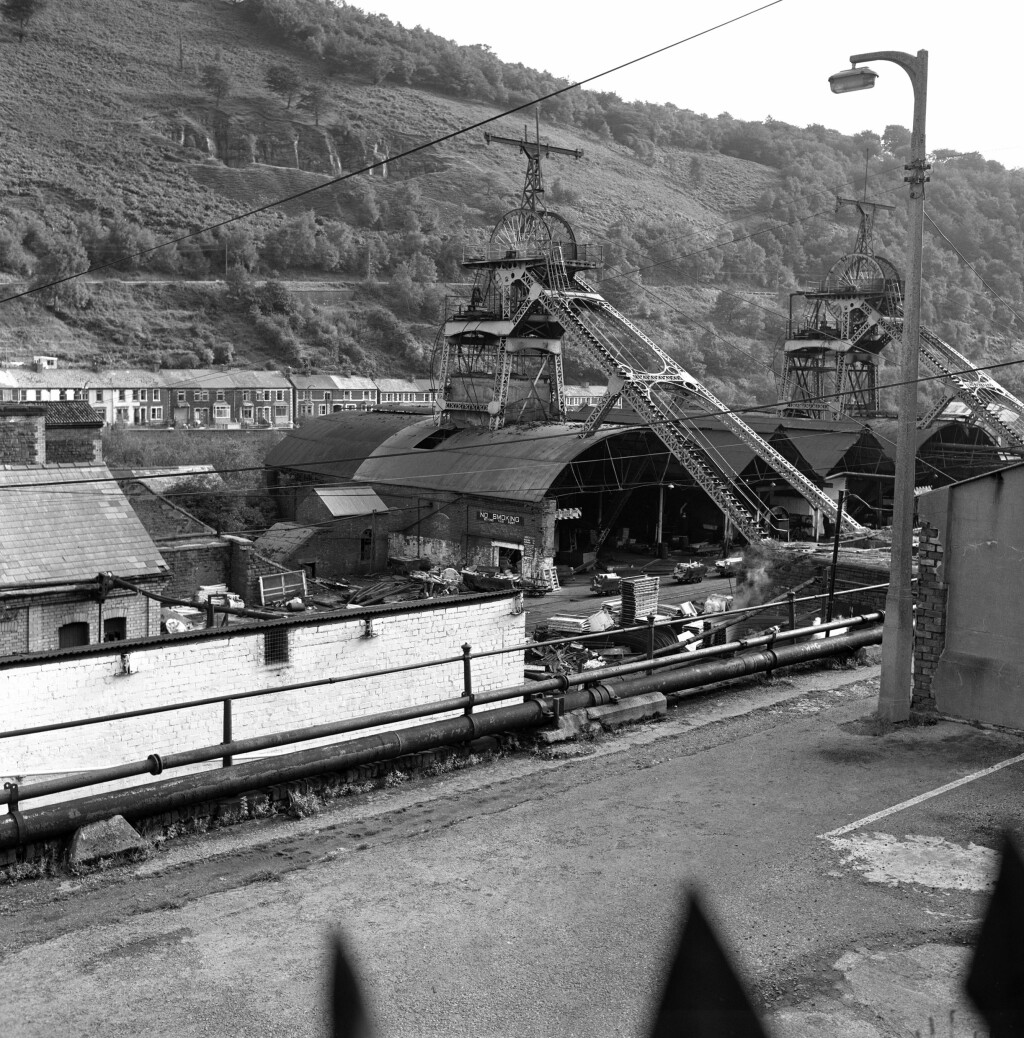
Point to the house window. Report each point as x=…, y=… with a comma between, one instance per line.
x=121, y=395
x=246, y=396
x=155, y=394
x=220, y=394
x=280, y=410
x=221, y=413
x=247, y=413
x=327, y=394
x=156, y=414
x=70, y=635
x=323, y=408
x=143, y=394
x=181, y=396
x=202, y=394
x=115, y=628
x=275, y=645
x=280, y=394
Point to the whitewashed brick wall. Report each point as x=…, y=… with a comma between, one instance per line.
x=84, y=683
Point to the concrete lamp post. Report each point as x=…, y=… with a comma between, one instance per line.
x=898, y=633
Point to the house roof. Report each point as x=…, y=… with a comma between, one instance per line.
x=80, y=378
x=227, y=378
x=395, y=385
x=350, y=501
x=56, y=526
x=337, y=444
x=282, y=539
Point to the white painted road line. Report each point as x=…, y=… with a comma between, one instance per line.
x=844, y=829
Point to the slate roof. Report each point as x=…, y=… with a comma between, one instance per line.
x=79, y=378
x=56, y=527
x=282, y=539
x=226, y=378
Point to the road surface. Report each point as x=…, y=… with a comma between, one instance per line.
x=539, y=894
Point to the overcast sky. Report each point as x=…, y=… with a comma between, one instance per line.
x=774, y=63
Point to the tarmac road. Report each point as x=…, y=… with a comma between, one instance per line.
x=539, y=895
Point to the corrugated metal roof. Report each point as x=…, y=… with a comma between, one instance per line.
x=513, y=464
x=71, y=531
x=337, y=444
x=350, y=501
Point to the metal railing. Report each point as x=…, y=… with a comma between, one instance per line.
x=229, y=747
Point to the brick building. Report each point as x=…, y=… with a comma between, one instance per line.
x=231, y=399
x=62, y=526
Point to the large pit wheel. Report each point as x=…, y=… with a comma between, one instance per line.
x=521, y=231
x=859, y=275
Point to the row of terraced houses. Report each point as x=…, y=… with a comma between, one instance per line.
x=226, y=398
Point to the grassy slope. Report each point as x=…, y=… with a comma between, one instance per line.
x=91, y=100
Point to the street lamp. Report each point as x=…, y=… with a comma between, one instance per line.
x=898, y=633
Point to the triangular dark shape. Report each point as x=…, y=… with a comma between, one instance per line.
x=348, y=1016
x=703, y=996
x=995, y=982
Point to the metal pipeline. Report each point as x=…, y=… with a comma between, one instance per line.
x=156, y=763
x=45, y=823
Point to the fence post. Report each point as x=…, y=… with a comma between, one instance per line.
x=791, y=602
x=227, y=731
x=650, y=638
x=835, y=558
x=467, y=677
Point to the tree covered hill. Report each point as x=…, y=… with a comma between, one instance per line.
x=127, y=126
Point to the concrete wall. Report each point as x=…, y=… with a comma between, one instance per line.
x=107, y=679
x=459, y=531
x=980, y=524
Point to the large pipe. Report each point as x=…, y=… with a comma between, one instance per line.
x=46, y=823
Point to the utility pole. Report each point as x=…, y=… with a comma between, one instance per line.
x=898, y=632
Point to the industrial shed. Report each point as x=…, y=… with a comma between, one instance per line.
x=527, y=495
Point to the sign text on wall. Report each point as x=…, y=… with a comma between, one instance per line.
x=499, y=517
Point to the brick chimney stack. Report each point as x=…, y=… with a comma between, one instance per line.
x=22, y=434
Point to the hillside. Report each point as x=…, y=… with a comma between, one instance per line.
x=130, y=125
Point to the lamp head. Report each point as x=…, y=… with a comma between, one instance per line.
x=852, y=79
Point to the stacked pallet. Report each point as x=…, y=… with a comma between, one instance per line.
x=568, y=624
x=639, y=598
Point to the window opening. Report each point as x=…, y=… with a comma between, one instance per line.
x=115, y=628
x=275, y=645
x=73, y=634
